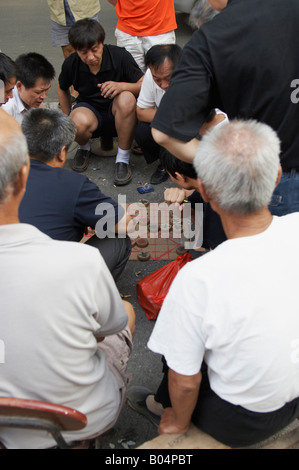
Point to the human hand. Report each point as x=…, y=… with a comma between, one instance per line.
x=174, y=196
x=110, y=89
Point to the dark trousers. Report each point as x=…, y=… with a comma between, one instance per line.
x=230, y=424
x=115, y=251
x=144, y=139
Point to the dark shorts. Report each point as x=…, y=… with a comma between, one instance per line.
x=106, y=122
x=231, y=424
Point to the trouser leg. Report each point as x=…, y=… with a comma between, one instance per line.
x=144, y=138
x=115, y=251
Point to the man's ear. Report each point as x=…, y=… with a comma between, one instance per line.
x=19, y=85
x=278, y=176
x=180, y=178
x=62, y=156
x=20, y=185
x=201, y=189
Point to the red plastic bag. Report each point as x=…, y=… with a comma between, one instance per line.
x=152, y=289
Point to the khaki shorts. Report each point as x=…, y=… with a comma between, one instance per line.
x=118, y=349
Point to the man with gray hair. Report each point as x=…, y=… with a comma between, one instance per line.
x=58, y=302
x=64, y=204
x=201, y=13
x=227, y=330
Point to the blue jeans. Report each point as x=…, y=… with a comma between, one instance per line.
x=285, y=199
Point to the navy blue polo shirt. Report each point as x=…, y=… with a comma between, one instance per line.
x=61, y=203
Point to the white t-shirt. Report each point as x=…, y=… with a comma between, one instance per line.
x=55, y=297
x=237, y=308
x=15, y=107
x=150, y=94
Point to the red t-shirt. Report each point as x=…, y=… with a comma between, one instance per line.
x=145, y=17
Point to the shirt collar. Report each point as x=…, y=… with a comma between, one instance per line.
x=12, y=234
x=19, y=103
x=105, y=65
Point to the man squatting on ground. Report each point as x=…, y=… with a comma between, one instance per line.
x=34, y=77
x=108, y=81
x=160, y=61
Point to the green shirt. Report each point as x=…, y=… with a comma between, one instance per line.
x=79, y=9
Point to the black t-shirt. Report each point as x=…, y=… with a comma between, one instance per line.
x=118, y=65
x=243, y=62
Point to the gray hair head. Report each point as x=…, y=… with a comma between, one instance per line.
x=201, y=13
x=13, y=155
x=238, y=164
x=47, y=131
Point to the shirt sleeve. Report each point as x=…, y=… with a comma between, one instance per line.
x=188, y=100
x=177, y=334
x=92, y=204
x=146, y=98
x=66, y=76
x=110, y=314
x=130, y=68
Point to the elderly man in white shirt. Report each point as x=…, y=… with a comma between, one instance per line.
x=66, y=333
x=34, y=76
x=228, y=328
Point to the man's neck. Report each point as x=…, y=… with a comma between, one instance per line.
x=237, y=226
x=8, y=214
x=54, y=163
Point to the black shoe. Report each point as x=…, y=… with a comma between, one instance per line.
x=136, y=398
x=81, y=160
x=137, y=150
x=159, y=175
x=123, y=174
x=106, y=143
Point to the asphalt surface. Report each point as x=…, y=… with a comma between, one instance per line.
x=25, y=27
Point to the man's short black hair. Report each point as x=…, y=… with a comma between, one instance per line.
x=157, y=54
x=7, y=68
x=32, y=66
x=47, y=131
x=173, y=165
x=85, y=33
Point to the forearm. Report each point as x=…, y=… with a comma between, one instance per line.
x=145, y=114
x=133, y=87
x=183, y=392
x=185, y=151
x=64, y=100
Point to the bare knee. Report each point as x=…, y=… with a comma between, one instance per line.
x=85, y=122
x=125, y=103
x=131, y=316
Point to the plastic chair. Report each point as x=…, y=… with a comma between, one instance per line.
x=33, y=414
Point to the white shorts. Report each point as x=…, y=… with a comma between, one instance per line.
x=139, y=45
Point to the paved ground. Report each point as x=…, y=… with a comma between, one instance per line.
x=25, y=27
